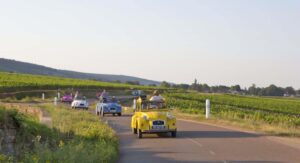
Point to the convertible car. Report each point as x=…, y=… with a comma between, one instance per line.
x=68, y=98
x=80, y=103
x=152, y=117
x=108, y=106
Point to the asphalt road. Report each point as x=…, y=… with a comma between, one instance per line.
x=199, y=143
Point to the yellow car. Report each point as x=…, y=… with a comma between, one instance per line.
x=152, y=117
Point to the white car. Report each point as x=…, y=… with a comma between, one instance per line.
x=80, y=103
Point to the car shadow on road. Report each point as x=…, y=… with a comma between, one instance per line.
x=215, y=134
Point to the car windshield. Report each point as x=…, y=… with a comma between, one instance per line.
x=152, y=105
x=80, y=98
x=109, y=100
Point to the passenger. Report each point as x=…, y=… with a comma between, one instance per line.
x=76, y=95
x=104, y=96
x=156, y=100
x=156, y=97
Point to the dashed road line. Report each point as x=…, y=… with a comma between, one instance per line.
x=212, y=152
x=194, y=141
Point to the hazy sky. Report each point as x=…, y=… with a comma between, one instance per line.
x=218, y=42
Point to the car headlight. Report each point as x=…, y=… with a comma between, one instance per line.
x=145, y=117
x=170, y=116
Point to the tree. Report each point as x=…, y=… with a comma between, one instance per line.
x=165, y=84
x=236, y=88
x=252, y=90
x=290, y=91
x=181, y=86
x=204, y=88
x=298, y=92
x=195, y=85
x=273, y=90
x=133, y=82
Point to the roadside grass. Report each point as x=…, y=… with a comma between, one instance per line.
x=28, y=133
x=274, y=116
x=85, y=137
x=76, y=136
x=26, y=99
x=240, y=124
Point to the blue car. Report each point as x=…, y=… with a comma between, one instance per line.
x=108, y=107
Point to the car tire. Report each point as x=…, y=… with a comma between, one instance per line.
x=119, y=114
x=134, y=130
x=139, y=134
x=114, y=114
x=174, y=134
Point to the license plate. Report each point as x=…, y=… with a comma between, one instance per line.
x=158, y=127
x=113, y=111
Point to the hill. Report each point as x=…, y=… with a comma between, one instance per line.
x=8, y=65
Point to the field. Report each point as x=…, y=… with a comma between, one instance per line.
x=76, y=136
x=273, y=111
x=19, y=82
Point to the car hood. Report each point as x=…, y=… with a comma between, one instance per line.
x=156, y=115
x=80, y=101
x=111, y=105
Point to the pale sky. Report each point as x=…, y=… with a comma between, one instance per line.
x=218, y=42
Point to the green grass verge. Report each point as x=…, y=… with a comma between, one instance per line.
x=278, y=116
x=76, y=136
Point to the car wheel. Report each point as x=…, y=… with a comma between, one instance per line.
x=174, y=134
x=119, y=114
x=134, y=130
x=139, y=134
x=114, y=114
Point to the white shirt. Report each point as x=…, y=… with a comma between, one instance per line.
x=156, y=98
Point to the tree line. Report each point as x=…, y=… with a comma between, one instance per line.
x=271, y=90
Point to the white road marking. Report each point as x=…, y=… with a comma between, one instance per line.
x=194, y=141
x=212, y=152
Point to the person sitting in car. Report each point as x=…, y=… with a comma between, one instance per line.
x=104, y=96
x=156, y=100
x=156, y=97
